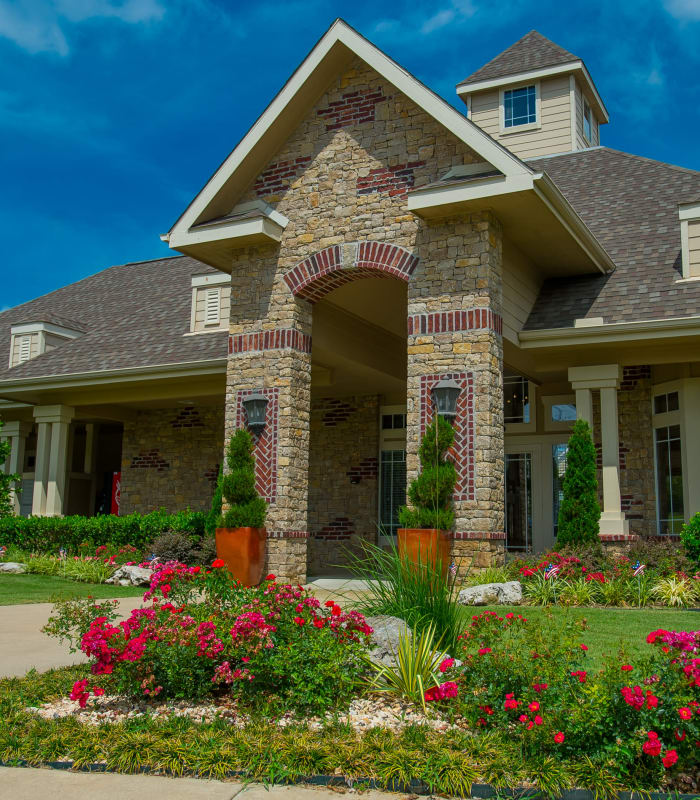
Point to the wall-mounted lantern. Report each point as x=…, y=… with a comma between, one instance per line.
x=255, y=406
x=445, y=394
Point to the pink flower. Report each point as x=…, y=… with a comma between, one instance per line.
x=669, y=758
x=98, y=691
x=534, y=706
x=448, y=663
x=299, y=621
x=558, y=737
x=484, y=651
x=538, y=720
x=583, y=647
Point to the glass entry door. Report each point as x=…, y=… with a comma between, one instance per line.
x=392, y=471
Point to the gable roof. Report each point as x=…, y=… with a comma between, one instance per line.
x=333, y=53
x=131, y=317
x=532, y=51
x=631, y=204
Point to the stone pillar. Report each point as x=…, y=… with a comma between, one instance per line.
x=16, y=433
x=273, y=355
x=51, y=459
x=455, y=330
x=606, y=378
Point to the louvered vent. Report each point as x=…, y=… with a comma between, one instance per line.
x=25, y=348
x=212, y=313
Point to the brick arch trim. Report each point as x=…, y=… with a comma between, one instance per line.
x=319, y=274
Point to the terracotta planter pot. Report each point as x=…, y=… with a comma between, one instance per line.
x=243, y=550
x=425, y=545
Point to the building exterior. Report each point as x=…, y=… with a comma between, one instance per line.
x=362, y=242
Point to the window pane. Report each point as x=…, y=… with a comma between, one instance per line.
x=387, y=420
x=520, y=106
x=559, y=452
x=669, y=479
x=587, y=122
x=672, y=401
x=516, y=402
x=660, y=404
x=392, y=493
x=564, y=412
x=399, y=421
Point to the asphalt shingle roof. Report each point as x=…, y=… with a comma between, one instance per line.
x=630, y=204
x=533, y=51
x=134, y=315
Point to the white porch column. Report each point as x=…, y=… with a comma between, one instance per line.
x=51, y=459
x=16, y=433
x=607, y=379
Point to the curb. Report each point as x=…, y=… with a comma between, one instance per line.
x=479, y=791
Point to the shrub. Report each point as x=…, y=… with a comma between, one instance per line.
x=49, y=534
x=246, y=508
x=430, y=493
x=690, y=536
x=579, y=513
x=7, y=481
x=663, y=555
x=173, y=547
x=214, y=513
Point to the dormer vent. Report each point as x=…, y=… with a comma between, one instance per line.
x=30, y=339
x=689, y=215
x=211, y=302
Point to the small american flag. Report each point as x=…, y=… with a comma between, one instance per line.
x=638, y=569
x=551, y=571
x=453, y=569
x=63, y=554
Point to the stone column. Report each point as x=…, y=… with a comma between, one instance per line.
x=606, y=378
x=51, y=459
x=16, y=433
x=455, y=330
x=272, y=354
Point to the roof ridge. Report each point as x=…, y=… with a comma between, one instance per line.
x=652, y=160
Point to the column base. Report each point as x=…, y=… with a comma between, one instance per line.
x=286, y=556
x=613, y=523
x=474, y=552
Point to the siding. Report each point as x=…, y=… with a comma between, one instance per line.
x=554, y=135
x=521, y=285
x=694, y=249
x=200, y=310
x=52, y=341
x=581, y=142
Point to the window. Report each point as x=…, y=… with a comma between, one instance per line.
x=563, y=412
x=520, y=106
x=516, y=399
x=669, y=479
x=392, y=490
x=559, y=452
x=212, y=309
x=663, y=403
x=393, y=422
x=587, y=122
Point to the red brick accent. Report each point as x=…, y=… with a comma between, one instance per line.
x=277, y=339
x=278, y=176
x=462, y=452
x=337, y=411
x=617, y=537
x=288, y=534
x=631, y=375
x=396, y=180
x=339, y=528
x=367, y=468
x=492, y=535
x=627, y=502
x=212, y=473
x=622, y=458
x=188, y=417
x=149, y=459
x=321, y=273
x=265, y=442
x=353, y=108
x=450, y=321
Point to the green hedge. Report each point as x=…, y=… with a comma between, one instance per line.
x=48, y=534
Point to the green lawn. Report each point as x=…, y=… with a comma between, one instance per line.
x=609, y=629
x=47, y=588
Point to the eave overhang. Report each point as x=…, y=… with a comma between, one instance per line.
x=535, y=215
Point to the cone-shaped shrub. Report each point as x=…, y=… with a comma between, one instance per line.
x=246, y=509
x=214, y=513
x=579, y=513
x=430, y=494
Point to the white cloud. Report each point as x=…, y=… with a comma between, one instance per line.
x=454, y=13
x=438, y=20
x=685, y=10
x=39, y=26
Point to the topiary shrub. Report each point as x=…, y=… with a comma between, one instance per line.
x=430, y=494
x=690, y=536
x=214, y=513
x=246, y=509
x=579, y=513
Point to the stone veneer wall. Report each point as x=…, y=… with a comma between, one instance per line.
x=341, y=178
x=170, y=458
x=343, y=476
x=637, y=483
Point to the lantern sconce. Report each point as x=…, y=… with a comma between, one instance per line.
x=445, y=394
x=255, y=406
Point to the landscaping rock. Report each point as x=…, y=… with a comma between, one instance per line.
x=385, y=639
x=486, y=594
x=12, y=568
x=130, y=575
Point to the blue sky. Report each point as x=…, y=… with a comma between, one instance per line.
x=113, y=113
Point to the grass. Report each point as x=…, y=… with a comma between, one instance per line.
x=609, y=629
x=15, y=589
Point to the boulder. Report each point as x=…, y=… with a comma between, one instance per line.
x=12, y=568
x=131, y=575
x=384, y=641
x=489, y=594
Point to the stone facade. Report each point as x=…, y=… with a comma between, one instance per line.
x=170, y=458
x=343, y=478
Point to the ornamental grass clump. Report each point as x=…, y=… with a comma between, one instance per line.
x=246, y=509
x=579, y=513
x=430, y=494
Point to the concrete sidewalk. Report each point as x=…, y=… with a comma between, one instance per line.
x=35, y=784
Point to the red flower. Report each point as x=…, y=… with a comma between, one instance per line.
x=583, y=647
x=510, y=702
x=559, y=737
x=329, y=603
x=484, y=650
x=534, y=706
x=271, y=577
x=670, y=758
x=538, y=720
x=446, y=664
x=652, y=747
x=626, y=668
x=98, y=691
x=218, y=563
x=523, y=717
x=540, y=687
x=680, y=735
x=318, y=622
x=580, y=674
x=299, y=621
x=685, y=713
